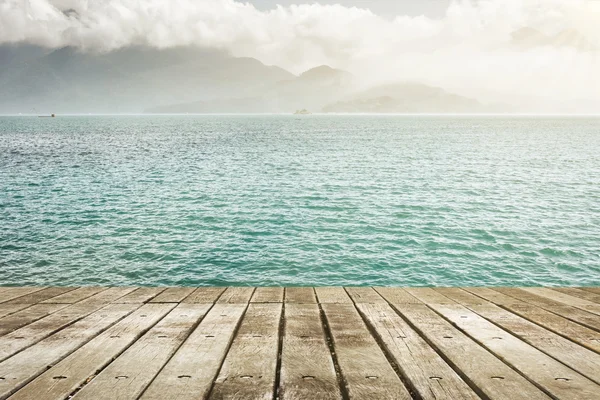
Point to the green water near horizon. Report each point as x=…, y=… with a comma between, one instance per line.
x=311, y=200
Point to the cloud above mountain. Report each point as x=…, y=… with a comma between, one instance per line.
x=470, y=47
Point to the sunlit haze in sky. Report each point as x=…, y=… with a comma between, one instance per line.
x=499, y=49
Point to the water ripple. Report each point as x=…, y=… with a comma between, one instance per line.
x=276, y=200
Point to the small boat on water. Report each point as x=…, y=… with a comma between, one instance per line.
x=47, y=116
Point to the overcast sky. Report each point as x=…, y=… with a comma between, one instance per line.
x=387, y=8
x=466, y=45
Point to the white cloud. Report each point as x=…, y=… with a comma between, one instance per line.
x=468, y=48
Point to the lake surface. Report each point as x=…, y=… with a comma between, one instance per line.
x=299, y=200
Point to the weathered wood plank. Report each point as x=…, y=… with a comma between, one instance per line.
x=28, y=335
x=552, y=375
x=204, y=295
x=575, y=356
x=300, y=295
x=332, y=295
x=132, y=371
x=8, y=309
x=41, y=295
x=236, y=295
x=476, y=364
x=566, y=299
x=140, y=295
x=307, y=369
x=27, y=316
x=25, y=365
x=575, y=314
x=494, y=296
x=595, y=290
x=190, y=373
x=429, y=296
x=65, y=377
x=107, y=296
x=397, y=295
x=582, y=294
x=74, y=296
x=546, y=334
x=267, y=295
x=556, y=323
x=173, y=295
x=461, y=296
x=364, y=295
x=522, y=295
x=11, y=293
x=426, y=371
x=250, y=366
x=365, y=369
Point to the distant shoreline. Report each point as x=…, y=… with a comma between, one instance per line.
x=314, y=114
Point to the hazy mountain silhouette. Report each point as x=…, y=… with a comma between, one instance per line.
x=127, y=80
x=312, y=90
x=406, y=98
x=191, y=80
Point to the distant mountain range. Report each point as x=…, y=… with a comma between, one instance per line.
x=191, y=80
x=125, y=81
x=408, y=98
x=312, y=89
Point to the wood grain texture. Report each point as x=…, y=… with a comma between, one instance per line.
x=490, y=375
x=556, y=323
x=307, y=369
x=366, y=372
x=28, y=335
x=27, y=316
x=267, y=295
x=41, y=295
x=495, y=296
x=595, y=290
x=548, y=373
x=427, y=372
x=172, y=295
x=429, y=296
x=332, y=295
x=462, y=296
x=236, y=295
x=190, y=373
x=32, y=361
x=76, y=295
x=364, y=295
x=249, y=370
x=300, y=295
x=555, y=296
x=132, y=371
x=8, y=309
x=582, y=294
x=66, y=376
x=299, y=343
x=140, y=295
x=575, y=314
x=12, y=293
x=575, y=356
x=397, y=295
x=204, y=295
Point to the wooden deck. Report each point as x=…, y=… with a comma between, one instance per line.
x=299, y=343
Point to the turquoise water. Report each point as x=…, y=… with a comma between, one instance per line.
x=288, y=200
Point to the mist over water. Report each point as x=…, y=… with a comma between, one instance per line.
x=311, y=200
